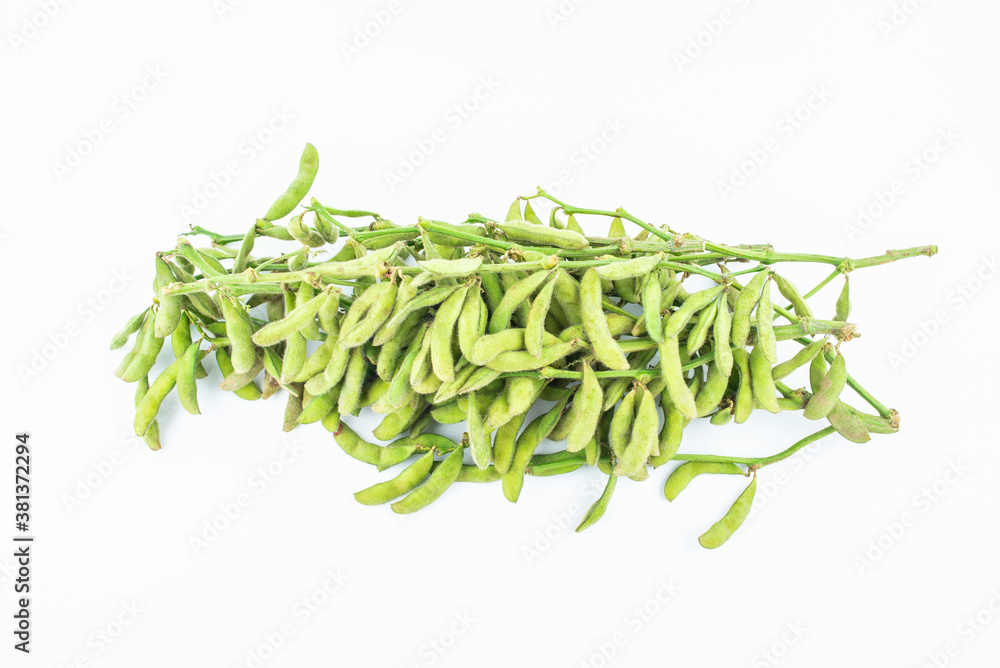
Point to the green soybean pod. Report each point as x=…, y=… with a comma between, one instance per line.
x=745, y=302
x=299, y=187
x=250, y=391
x=652, y=304
x=439, y=480
x=469, y=320
x=589, y=398
x=621, y=424
x=722, y=417
x=442, y=333
x=451, y=268
x=187, y=389
x=303, y=314
x=478, y=440
x=534, y=328
x=518, y=293
x=876, y=424
x=542, y=235
x=522, y=360
x=624, y=269
x=369, y=453
x=505, y=442
x=680, y=477
x=479, y=379
x=354, y=376
x=239, y=330
x=181, y=339
x=794, y=297
x=605, y=348
x=597, y=510
x=319, y=406
x=235, y=380
x=691, y=305
x=617, y=228
x=293, y=409
x=627, y=289
x=765, y=325
x=208, y=265
x=720, y=532
x=529, y=214
x=488, y=346
x=405, y=293
x=802, y=357
x=240, y=261
x=817, y=369
x=744, y=404
x=762, y=382
x=405, y=482
x=699, y=333
x=522, y=393
x=828, y=393
x=400, y=386
x=149, y=406
x=712, y=391
x=672, y=432
x=397, y=422
x=432, y=297
x=392, y=351
x=721, y=336
x=329, y=310
x=536, y=431
x=375, y=304
x=294, y=358
x=673, y=376
x=642, y=440
x=843, y=306
x=152, y=435
x=148, y=347
x=130, y=328
x=847, y=424
x=303, y=294
x=492, y=290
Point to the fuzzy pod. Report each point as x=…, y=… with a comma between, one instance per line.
x=589, y=398
x=693, y=304
x=633, y=268
x=762, y=382
x=746, y=300
x=722, y=530
x=765, y=325
x=298, y=188
x=299, y=318
x=518, y=293
x=682, y=476
x=440, y=479
x=673, y=376
x=605, y=348
x=541, y=235
x=442, y=333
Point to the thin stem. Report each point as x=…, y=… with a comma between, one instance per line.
x=759, y=462
x=822, y=284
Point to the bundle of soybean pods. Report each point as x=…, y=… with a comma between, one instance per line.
x=476, y=322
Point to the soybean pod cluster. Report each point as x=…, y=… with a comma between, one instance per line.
x=478, y=322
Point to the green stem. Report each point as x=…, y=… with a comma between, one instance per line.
x=822, y=284
x=759, y=462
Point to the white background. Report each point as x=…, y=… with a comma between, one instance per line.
x=823, y=553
